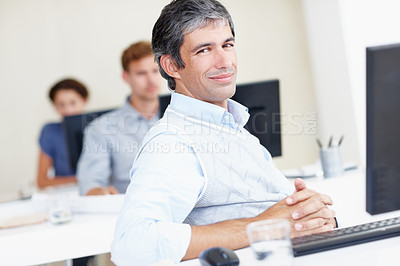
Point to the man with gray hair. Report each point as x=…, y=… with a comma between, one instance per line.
x=187, y=195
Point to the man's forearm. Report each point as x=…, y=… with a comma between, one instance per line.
x=230, y=234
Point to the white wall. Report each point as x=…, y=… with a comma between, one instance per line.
x=339, y=32
x=364, y=24
x=331, y=77
x=272, y=43
x=43, y=41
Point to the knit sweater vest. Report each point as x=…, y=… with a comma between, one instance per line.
x=240, y=179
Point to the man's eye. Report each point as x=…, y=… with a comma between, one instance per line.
x=229, y=45
x=205, y=50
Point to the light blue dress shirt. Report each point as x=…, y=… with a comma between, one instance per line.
x=110, y=145
x=165, y=186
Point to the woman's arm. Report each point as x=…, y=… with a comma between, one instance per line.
x=45, y=162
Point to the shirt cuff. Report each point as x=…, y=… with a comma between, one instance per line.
x=337, y=224
x=175, y=240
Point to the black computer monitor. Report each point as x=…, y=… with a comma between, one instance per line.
x=383, y=128
x=73, y=128
x=164, y=102
x=262, y=99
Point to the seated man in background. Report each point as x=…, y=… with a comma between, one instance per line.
x=186, y=193
x=111, y=141
x=69, y=97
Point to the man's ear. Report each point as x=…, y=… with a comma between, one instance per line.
x=169, y=66
x=125, y=76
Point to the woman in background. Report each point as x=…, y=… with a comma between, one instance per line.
x=69, y=97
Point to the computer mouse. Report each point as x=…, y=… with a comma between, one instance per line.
x=218, y=256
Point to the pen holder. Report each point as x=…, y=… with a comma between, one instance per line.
x=331, y=161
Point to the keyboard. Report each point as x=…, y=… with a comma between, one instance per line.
x=346, y=236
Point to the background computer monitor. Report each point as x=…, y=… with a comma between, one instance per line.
x=73, y=128
x=383, y=128
x=262, y=99
x=164, y=102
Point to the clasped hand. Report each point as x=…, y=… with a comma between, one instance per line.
x=102, y=191
x=306, y=210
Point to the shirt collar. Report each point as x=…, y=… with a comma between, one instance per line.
x=128, y=108
x=239, y=112
x=236, y=116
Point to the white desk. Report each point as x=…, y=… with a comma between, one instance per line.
x=382, y=252
x=348, y=194
x=92, y=234
x=86, y=234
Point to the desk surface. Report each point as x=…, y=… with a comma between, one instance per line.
x=45, y=243
x=86, y=234
x=382, y=252
x=348, y=194
x=92, y=234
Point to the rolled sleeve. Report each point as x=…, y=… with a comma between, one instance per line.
x=166, y=181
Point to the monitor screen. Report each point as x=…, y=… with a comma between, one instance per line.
x=164, y=102
x=383, y=126
x=262, y=99
x=73, y=128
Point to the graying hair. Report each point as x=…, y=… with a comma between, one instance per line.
x=181, y=17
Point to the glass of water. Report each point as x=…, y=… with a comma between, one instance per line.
x=270, y=242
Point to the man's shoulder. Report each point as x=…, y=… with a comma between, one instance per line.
x=170, y=124
x=161, y=141
x=165, y=131
x=111, y=119
x=104, y=117
x=161, y=131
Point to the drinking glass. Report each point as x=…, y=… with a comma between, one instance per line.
x=270, y=242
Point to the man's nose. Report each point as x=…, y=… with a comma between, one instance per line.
x=223, y=59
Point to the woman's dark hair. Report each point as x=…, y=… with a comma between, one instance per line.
x=68, y=84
